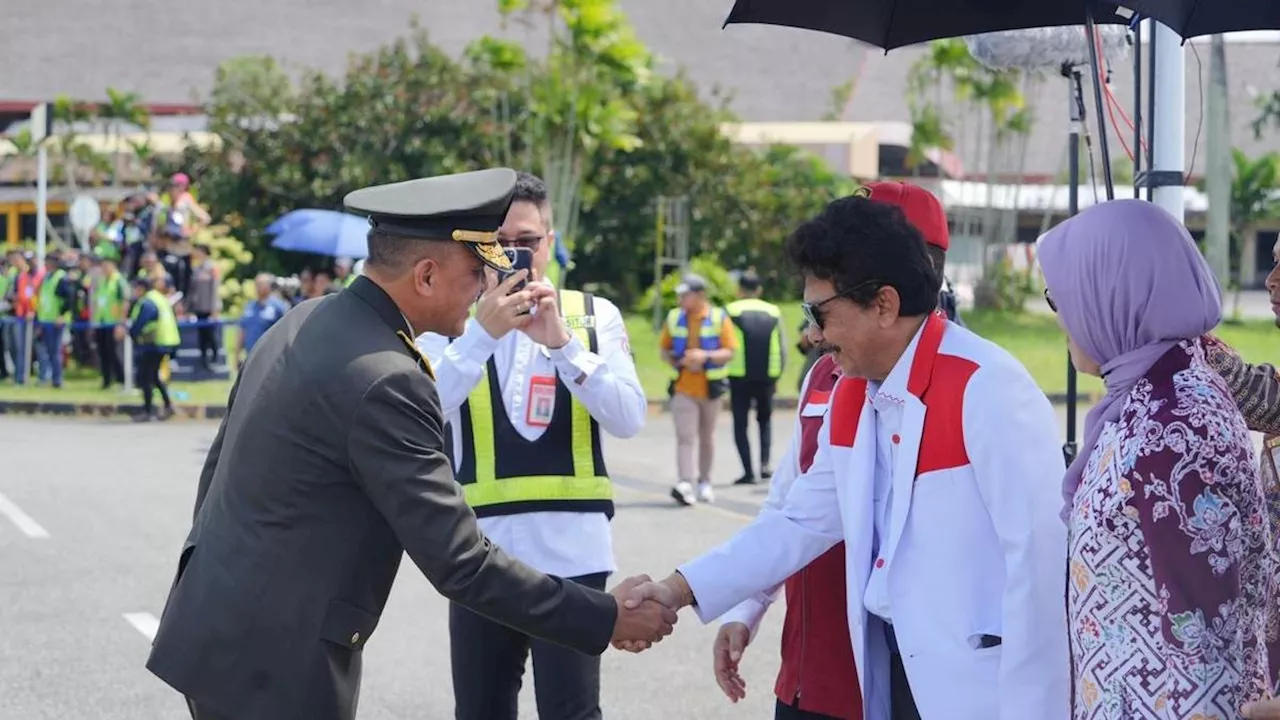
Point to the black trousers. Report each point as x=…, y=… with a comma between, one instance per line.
x=488, y=663
x=108, y=356
x=207, y=335
x=149, y=379
x=783, y=711
x=903, y=703
x=4, y=365
x=743, y=395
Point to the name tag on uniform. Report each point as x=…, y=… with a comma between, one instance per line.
x=575, y=322
x=542, y=401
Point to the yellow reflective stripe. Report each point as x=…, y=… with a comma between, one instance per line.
x=574, y=304
x=538, y=487
x=737, y=366
x=480, y=403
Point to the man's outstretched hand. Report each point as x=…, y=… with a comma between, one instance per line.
x=642, y=622
x=639, y=592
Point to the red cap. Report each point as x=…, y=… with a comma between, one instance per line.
x=919, y=205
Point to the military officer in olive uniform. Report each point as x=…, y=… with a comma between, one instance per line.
x=330, y=465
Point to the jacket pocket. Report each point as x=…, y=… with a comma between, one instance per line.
x=347, y=625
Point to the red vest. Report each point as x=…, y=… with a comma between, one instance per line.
x=818, y=667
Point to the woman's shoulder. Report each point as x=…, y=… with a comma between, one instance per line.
x=1183, y=389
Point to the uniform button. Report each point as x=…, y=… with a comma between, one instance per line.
x=879, y=563
x=896, y=439
x=355, y=638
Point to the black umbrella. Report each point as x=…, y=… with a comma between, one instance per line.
x=890, y=24
x=1196, y=18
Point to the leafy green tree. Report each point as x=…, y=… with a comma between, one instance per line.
x=609, y=135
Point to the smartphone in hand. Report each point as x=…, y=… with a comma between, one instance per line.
x=521, y=259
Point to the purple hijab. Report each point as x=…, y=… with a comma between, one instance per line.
x=1129, y=283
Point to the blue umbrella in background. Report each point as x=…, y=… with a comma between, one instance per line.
x=323, y=232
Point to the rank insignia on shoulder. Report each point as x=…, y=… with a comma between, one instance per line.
x=423, y=362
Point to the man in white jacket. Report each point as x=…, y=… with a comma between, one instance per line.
x=938, y=466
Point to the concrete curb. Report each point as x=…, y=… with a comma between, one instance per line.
x=217, y=412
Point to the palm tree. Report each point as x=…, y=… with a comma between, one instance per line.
x=1253, y=198
x=121, y=109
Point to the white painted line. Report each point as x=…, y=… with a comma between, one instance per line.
x=145, y=623
x=25, y=522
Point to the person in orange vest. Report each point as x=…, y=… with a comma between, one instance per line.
x=25, y=285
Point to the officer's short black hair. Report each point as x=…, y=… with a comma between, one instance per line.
x=749, y=281
x=532, y=189
x=860, y=245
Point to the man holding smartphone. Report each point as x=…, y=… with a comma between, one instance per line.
x=527, y=389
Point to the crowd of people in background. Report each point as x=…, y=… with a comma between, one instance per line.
x=92, y=305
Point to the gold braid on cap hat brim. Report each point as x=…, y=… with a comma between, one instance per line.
x=486, y=245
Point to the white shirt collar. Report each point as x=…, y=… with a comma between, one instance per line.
x=894, y=387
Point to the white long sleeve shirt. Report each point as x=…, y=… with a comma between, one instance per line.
x=566, y=544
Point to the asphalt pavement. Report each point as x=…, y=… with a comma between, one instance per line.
x=93, y=513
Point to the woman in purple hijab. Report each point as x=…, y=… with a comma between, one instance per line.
x=1170, y=573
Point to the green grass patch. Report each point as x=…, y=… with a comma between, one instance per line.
x=1033, y=338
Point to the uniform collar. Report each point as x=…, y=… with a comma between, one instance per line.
x=375, y=297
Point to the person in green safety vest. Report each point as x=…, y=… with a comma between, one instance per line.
x=154, y=329
x=754, y=371
x=54, y=300
x=342, y=275
x=109, y=298
x=528, y=395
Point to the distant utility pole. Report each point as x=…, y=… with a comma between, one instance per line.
x=1218, y=165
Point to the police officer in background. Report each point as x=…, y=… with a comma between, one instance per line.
x=754, y=371
x=526, y=396
x=330, y=466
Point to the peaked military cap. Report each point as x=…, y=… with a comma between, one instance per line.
x=464, y=207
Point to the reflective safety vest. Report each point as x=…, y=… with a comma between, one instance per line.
x=708, y=338
x=758, y=325
x=163, y=331
x=51, y=307
x=110, y=299
x=502, y=473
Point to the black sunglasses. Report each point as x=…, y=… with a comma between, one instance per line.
x=1049, y=299
x=529, y=242
x=812, y=311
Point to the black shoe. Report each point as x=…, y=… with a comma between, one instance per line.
x=745, y=480
x=766, y=472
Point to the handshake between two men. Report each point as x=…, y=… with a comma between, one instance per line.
x=647, y=610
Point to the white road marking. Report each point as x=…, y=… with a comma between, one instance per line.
x=145, y=623
x=25, y=522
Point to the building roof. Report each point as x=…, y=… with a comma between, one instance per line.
x=167, y=52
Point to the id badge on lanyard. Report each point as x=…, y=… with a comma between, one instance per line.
x=542, y=401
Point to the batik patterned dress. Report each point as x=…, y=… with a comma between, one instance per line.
x=1170, y=570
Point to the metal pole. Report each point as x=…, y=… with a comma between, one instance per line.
x=128, y=363
x=1075, y=91
x=1096, y=66
x=1153, y=41
x=1168, y=87
x=1137, y=107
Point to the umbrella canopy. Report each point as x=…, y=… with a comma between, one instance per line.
x=1195, y=18
x=323, y=232
x=890, y=24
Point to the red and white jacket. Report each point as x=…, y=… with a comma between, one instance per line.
x=973, y=546
x=817, y=673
